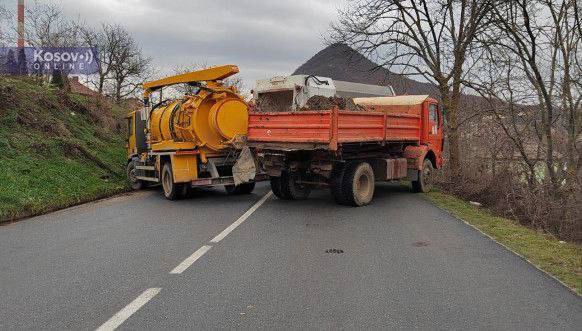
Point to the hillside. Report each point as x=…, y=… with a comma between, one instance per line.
x=56, y=148
x=341, y=62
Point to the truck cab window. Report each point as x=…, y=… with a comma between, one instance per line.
x=433, y=113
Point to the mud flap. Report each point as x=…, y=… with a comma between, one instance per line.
x=245, y=169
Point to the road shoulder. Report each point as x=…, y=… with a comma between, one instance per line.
x=560, y=260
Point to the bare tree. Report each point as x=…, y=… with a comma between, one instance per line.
x=497, y=82
x=129, y=68
x=46, y=26
x=536, y=46
x=430, y=39
x=4, y=32
x=109, y=41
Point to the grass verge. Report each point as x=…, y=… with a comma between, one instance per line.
x=57, y=149
x=560, y=259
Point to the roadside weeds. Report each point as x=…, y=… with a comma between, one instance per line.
x=559, y=259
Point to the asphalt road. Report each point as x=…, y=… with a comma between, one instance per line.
x=140, y=261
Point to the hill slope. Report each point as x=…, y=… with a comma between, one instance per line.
x=341, y=62
x=56, y=148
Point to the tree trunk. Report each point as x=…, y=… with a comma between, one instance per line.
x=451, y=106
x=118, y=92
x=101, y=84
x=453, y=135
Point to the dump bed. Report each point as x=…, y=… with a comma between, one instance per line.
x=327, y=129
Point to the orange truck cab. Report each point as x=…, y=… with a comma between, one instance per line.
x=389, y=138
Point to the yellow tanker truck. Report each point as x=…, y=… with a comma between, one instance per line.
x=187, y=142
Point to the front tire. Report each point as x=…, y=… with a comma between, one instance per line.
x=134, y=182
x=424, y=182
x=172, y=191
x=358, y=184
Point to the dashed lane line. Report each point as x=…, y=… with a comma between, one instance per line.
x=190, y=260
x=117, y=319
x=241, y=219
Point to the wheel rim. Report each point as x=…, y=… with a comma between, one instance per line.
x=363, y=187
x=167, y=183
x=132, y=176
x=297, y=190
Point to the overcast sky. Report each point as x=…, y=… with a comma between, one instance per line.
x=263, y=37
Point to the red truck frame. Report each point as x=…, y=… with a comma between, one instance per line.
x=391, y=138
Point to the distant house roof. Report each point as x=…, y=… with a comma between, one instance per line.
x=79, y=88
x=401, y=100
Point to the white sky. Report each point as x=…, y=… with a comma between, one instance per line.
x=263, y=37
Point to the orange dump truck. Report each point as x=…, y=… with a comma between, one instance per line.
x=390, y=138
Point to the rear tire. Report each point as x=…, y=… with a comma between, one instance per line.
x=136, y=184
x=424, y=182
x=172, y=191
x=245, y=188
x=293, y=190
x=276, y=187
x=358, y=184
x=335, y=183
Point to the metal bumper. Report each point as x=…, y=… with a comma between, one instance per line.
x=221, y=181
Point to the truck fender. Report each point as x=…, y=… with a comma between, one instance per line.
x=415, y=156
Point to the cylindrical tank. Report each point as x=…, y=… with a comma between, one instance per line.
x=209, y=118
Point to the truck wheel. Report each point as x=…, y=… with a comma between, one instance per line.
x=424, y=182
x=358, y=184
x=172, y=191
x=135, y=183
x=245, y=188
x=335, y=183
x=293, y=190
x=276, y=187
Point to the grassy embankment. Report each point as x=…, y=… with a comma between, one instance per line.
x=560, y=259
x=57, y=149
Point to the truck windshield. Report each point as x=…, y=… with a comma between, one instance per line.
x=433, y=113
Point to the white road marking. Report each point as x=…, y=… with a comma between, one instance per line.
x=190, y=260
x=117, y=319
x=241, y=219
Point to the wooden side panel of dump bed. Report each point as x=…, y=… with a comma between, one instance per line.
x=290, y=127
x=328, y=128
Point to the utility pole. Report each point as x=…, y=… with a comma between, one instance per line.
x=21, y=68
x=20, y=23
